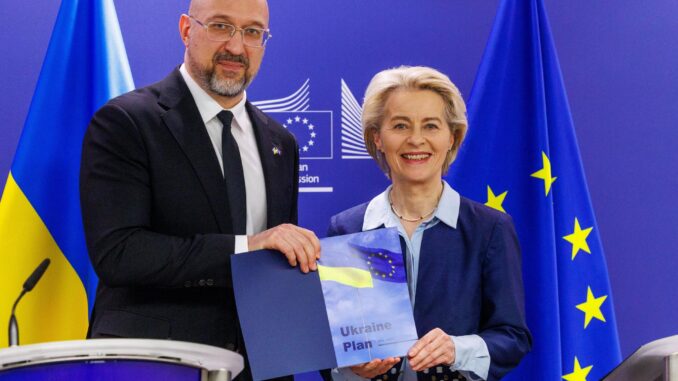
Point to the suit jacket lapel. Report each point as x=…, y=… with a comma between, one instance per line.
x=265, y=145
x=184, y=122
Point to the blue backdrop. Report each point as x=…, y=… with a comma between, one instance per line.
x=619, y=65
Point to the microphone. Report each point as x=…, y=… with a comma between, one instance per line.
x=28, y=286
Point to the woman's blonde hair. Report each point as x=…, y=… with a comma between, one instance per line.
x=412, y=78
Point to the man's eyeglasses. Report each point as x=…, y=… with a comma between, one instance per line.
x=221, y=32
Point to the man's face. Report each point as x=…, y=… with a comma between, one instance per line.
x=223, y=68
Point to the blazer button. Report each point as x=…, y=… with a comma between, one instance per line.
x=201, y=282
x=187, y=284
x=210, y=282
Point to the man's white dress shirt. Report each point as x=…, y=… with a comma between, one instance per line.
x=243, y=132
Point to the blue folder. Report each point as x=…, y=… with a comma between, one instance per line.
x=355, y=308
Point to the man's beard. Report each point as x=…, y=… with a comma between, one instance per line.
x=227, y=87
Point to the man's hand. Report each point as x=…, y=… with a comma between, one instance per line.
x=435, y=348
x=299, y=245
x=375, y=367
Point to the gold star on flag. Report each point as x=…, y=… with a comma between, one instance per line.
x=578, y=239
x=495, y=201
x=591, y=307
x=579, y=373
x=545, y=173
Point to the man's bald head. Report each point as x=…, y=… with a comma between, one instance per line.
x=195, y=6
x=198, y=8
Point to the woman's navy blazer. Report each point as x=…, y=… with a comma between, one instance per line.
x=469, y=280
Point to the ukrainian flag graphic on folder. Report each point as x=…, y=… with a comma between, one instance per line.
x=84, y=67
x=521, y=157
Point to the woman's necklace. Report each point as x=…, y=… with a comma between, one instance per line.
x=393, y=209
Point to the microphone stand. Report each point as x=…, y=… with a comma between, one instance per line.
x=13, y=324
x=32, y=280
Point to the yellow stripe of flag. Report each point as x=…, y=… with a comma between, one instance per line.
x=57, y=308
x=349, y=276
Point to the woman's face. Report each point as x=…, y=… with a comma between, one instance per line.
x=414, y=136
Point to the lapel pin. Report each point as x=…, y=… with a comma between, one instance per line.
x=276, y=151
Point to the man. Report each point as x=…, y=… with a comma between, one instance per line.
x=178, y=176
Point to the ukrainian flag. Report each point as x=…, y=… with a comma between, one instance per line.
x=84, y=67
x=349, y=276
x=521, y=158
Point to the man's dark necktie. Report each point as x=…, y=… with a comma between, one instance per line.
x=233, y=174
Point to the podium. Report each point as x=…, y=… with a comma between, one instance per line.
x=654, y=361
x=119, y=359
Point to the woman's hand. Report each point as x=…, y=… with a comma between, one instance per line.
x=375, y=367
x=435, y=348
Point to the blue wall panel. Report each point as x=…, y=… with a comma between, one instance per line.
x=619, y=65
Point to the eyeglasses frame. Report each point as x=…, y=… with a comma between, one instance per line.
x=266, y=31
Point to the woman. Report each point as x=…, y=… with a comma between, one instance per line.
x=463, y=259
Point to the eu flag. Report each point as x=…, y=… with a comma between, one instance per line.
x=85, y=65
x=521, y=157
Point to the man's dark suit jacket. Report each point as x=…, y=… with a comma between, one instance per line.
x=469, y=280
x=157, y=220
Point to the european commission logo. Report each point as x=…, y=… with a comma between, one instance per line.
x=311, y=128
x=314, y=131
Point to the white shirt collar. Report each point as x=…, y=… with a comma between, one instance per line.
x=207, y=106
x=379, y=212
